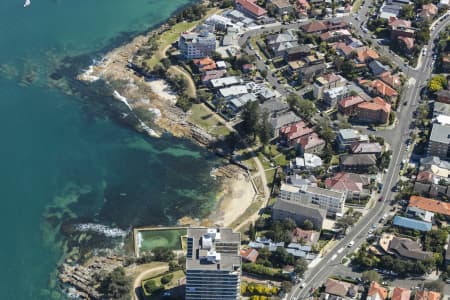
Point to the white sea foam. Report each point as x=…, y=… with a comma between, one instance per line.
x=27, y=3
x=103, y=229
x=121, y=98
x=149, y=131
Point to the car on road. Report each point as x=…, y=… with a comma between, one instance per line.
x=370, y=231
x=350, y=244
x=380, y=199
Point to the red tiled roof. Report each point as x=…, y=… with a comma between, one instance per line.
x=310, y=141
x=429, y=9
x=365, y=53
x=315, y=26
x=401, y=294
x=205, y=64
x=427, y=295
x=250, y=254
x=252, y=7
x=376, y=104
x=307, y=235
x=394, y=22
x=296, y=130
x=375, y=288
x=302, y=4
x=384, y=89
x=392, y=80
x=424, y=176
x=430, y=205
x=350, y=101
x=347, y=50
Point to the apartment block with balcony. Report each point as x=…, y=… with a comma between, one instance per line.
x=213, y=264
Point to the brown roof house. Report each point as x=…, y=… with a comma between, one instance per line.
x=366, y=148
x=307, y=237
x=249, y=254
x=408, y=248
x=251, y=8
x=359, y=163
x=375, y=111
x=427, y=295
x=377, y=292
x=443, y=96
x=356, y=185
x=393, y=80
x=340, y=288
x=347, y=106
x=401, y=294
x=311, y=144
x=429, y=11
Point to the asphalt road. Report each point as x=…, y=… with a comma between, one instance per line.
x=316, y=275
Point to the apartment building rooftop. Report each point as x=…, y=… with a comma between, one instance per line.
x=206, y=251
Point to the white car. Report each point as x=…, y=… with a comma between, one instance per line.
x=351, y=244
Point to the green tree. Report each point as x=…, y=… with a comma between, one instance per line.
x=437, y=83
x=286, y=286
x=250, y=119
x=308, y=225
x=370, y=276
x=407, y=11
x=252, y=232
x=163, y=254
x=300, y=266
x=116, y=285
x=265, y=129
x=151, y=287
x=166, y=279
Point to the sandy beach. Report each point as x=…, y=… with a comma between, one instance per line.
x=237, y=195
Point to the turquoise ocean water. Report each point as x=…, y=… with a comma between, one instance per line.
x=62, y=159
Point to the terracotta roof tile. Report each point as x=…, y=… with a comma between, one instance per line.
x=430, y=205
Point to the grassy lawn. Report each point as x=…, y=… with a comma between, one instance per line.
x=334, y=161
x=172, y=284
x=134, y=271
x=270, y=174
x=167, y=38
x=191, y=90
x=207, y=120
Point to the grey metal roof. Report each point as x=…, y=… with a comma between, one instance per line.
x=440, y=134
x=409, y=249
x=441, y=109
x=285, y=119
x=412, y=223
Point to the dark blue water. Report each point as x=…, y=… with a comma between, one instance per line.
x=62, y=159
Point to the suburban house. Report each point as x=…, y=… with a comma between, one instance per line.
x=392, y=8
x=197, y=44
x=315, y=27
x=427, y=295
x=250, y=8
x=406, y=248
x=281, y=42
x=402, y=32
x=347, y=105
x=366, y=148
x=377, y=292
x=411, y=223
x=375, y=111
x=381, y=89
x=340, y=288
x=421, y=214
x=306, y=237
x=347, y=137
x=401, y=294
x=377, y=68
x=327, y=81
x=278, y=120
x=356, y=185
x=311, y=144
x=307, y=162
x=440, y=108
x=238, y=102
x=428, y=12
x=439, y=142
x=302, y=7
x=307, y=74
x=249, y=255
x=339, y=35
x=282, y=7
x=433, y=170
x=225, y=82
x=430, y=205
x=297, y=53
x=213, y=74
x=392, y=80
x=443, y=96
x=360, y=163
x=290, y=134
x=299, y=212
x=365, y=55
x=204, y=64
